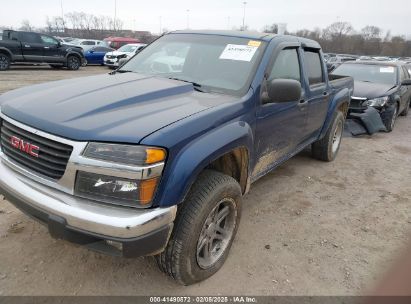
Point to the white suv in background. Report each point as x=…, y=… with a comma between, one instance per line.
x=87, y=44
x=116, y=58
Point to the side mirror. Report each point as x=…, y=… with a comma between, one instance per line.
x=406, y=82
x=58, y=44
x=283, y=90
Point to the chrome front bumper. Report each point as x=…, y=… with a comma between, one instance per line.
x=82, y=214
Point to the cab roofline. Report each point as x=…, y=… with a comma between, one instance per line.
x=267, y=37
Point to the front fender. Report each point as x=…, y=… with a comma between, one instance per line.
x=182, y=171
x=341, y=97
x=3, y=49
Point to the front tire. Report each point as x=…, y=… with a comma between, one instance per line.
x=407, y=109
x=204, y=230
x=326, y=149
x=4, y=62
x=389, y=117
x=73, y=62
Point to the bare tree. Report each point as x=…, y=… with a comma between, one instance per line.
x=273, y=28
x=26, y=26
x=371, y=32
x=338, y=30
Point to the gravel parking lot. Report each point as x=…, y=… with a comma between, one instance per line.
x=308, y=228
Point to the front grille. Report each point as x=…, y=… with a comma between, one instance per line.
x=357, y=104
x=52, y=156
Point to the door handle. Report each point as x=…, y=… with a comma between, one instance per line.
x=325, y=93
x=27, y=46
x=302, y=102
x=46, y=47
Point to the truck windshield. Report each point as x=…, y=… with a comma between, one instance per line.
x=368, y=73
x=217, y=63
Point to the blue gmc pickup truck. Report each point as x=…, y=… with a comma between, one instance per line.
x=153, y=158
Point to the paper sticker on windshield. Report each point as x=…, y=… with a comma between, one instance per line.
x=238, y=52
x=254, y=43
x=387, y=70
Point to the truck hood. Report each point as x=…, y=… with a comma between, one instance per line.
x=111, y=108
x=371, y=90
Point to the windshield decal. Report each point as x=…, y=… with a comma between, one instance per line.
x=238, y=52
x=254, y=43
x=387, y=70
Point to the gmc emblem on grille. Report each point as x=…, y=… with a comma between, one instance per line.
x=24, y=146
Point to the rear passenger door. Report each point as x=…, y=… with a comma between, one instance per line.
x=280, y=127
x=31, y=46
x=317, y=95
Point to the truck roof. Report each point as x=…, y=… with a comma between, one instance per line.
x=252, y=35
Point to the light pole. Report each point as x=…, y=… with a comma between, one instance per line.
x=228, y=22
x=188, y=19
x=62, y=16
x=115, y=14
x=245, y=3
x=161, y=25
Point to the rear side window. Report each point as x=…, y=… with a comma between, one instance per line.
x=29, y=37
x=313, y=66
x=88, y=43
x=286, y=66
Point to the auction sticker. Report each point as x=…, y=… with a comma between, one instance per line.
x=238, y=52
x=387, y=70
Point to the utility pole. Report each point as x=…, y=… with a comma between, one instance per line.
x=188, y=19
x=161, y=25
x=62, y=16
x=115, y=14
x=245, y=3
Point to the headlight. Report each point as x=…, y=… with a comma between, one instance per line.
x=120, y=190
x=115, y=190
x=377, y=102
x=125, y=154
x=121, y=56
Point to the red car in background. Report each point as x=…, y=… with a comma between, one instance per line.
x=117, y=42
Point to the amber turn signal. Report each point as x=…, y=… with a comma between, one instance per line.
x=147, y=189
x=155, y=155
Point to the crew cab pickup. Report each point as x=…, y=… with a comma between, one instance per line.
x=29, y=47
x=152, y=161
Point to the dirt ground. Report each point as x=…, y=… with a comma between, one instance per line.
x=308, y=228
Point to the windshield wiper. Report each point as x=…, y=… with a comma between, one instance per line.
x=198, y=87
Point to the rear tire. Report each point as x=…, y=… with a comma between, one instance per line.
x=73, y=62
x=204, y=229
x=389, y=117
x=4, y=62
x=326, y=149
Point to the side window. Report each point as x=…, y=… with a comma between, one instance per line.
x=286, y=66
x=313, y=66
x=403, y=74
x=88, y=43
x=48, y=40
x=29, y=37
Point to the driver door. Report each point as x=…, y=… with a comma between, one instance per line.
x=281, y=127
x=51, y=49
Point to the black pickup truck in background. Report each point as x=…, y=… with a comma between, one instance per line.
x=29, y=47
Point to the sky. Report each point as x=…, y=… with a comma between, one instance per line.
x=151, y=15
